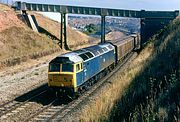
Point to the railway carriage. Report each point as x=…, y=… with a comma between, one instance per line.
x=72, y=72
x=124, y=46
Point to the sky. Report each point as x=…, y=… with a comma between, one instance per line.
x=120, y=4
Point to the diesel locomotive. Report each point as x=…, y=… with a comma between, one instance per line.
x=71, y=73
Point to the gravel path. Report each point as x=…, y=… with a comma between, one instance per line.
x=15, y=81
x=18, y=83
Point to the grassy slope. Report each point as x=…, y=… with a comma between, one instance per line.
x=114, y=35
x=18, y=40
x=154, y=94
x=74, y=37
x=4, y=7
x=148, y=89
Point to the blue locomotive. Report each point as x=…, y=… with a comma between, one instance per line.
x=73, y=72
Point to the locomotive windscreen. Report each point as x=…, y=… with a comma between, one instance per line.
x=67, y=68
x=54, y=67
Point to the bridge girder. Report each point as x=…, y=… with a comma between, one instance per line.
x=95, y=11
x=148, y=18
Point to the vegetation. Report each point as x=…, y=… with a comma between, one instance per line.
x=4, y=7
x=91, y=29
x=147, y=89
x=154, y=94
x=74, y=37
x=19, y=43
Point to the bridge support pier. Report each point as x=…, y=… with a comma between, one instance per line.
x=63, y=33
x=151, y=26
x=103, y=32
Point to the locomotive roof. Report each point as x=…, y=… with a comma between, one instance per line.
x=87, y=53
x=72, y=57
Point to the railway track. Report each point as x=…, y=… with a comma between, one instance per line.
x=59, y=116
x=57, y=109
x=9, y=107
x=58, y=113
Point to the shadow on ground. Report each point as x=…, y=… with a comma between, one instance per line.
x=44, y=99
x=44, y=31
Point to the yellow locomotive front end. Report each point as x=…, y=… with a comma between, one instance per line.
x=61, y=77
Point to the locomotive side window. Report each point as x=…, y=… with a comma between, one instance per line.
x=81, y=66
x=110, y=47
x=95, y=53
x=89, y=54
x=101, y=51
x=105, y=49
x=54, y=67
x=67, y=67
x=78, y=67
x=83, y=56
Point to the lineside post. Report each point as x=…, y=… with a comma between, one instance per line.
x=103, y=23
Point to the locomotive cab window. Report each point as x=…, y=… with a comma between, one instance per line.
x=79, y=67
x=67, y=67
x=54, y=67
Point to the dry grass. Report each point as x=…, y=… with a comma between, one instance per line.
x=18, y=41
x=4, y=7
x=8, y=18
x=114, y=35
x=99, y=109
x=132, y=85
x=74, y=37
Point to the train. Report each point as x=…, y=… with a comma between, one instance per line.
x=72, y=73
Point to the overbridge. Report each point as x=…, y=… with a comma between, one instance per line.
x=151, y=21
